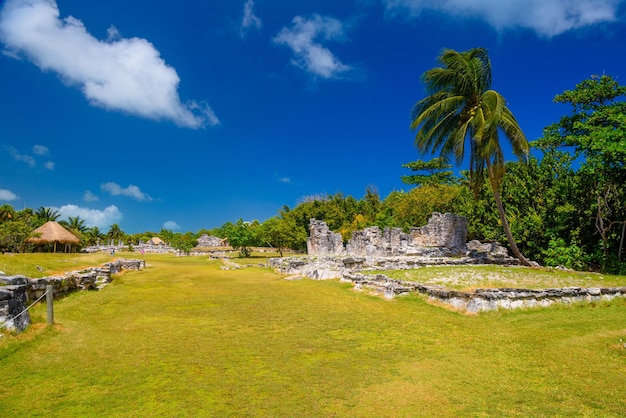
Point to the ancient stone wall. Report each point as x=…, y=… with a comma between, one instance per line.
x=323, y=241
x=443, y=230
x=19, y=290
x=12, y=302
x=447, y=231
x=211, y=241
x=371, y=242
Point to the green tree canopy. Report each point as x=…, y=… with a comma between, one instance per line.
x=242, y=236
x=437, y=169
x=596, y=132
x=282, y=233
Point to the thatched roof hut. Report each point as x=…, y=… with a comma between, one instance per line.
x=53, y=232
x=155, y=241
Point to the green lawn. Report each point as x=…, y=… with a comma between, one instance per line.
x=185, y=338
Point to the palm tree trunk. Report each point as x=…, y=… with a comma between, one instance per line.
x=505, y=224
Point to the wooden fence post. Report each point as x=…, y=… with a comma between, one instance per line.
x=49, y=298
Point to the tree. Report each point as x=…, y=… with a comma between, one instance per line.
x=183, y=242
x=462, y=106
x=596, y=132
x=93, y=235
x=282, y=233
x=242, y=236
x=413, y=208
x=7, y=213
x=47, y=214
x=13, y=236
x=28, y=216
x=77, y=224
x=437, y=169
x=370, y=204
x=166, y=235
x=115, y=233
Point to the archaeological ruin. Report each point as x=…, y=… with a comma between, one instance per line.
x=441, y=242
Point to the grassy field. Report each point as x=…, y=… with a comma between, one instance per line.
x=185, y=338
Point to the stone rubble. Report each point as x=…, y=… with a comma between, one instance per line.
x=481, y=300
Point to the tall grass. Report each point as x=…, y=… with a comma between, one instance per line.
x=185, y=338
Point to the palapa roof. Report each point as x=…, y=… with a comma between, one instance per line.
x=156, y=241
x=53, y=232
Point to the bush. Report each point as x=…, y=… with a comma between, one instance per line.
x=569, y=256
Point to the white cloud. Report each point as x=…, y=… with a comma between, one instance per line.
x=126, y=74
x=131, y=191
x=310, y=55
x=93, y=217
x=171, y=225
x=7, y=195
x=546, y=17
x=40, y=150
x=90, y=197
x=249, y=19
x=23, y=158
x=284, y=180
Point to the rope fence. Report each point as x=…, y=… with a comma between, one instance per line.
x=49, y=297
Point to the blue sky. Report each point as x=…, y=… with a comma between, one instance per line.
x=185, y=115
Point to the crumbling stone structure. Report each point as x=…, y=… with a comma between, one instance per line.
x=446, y=231
x=210, y=241
x=323, y=241
x=443, y=230
x=370, y=242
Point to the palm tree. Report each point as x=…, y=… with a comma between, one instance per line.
x=461, y=106
x=47, y=214
x=94, y=235
x=7, y=213
x=115, y=233
x=77, y=224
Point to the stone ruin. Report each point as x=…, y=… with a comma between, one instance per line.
x=481, y=300
x=441, y=242
x=445, y=232
x=323, y=241
x=210, y=241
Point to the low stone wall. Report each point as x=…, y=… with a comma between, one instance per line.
x=20, y=290
x=482, y=300
x=321, y=268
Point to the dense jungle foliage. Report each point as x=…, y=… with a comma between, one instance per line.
x=566, y=205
